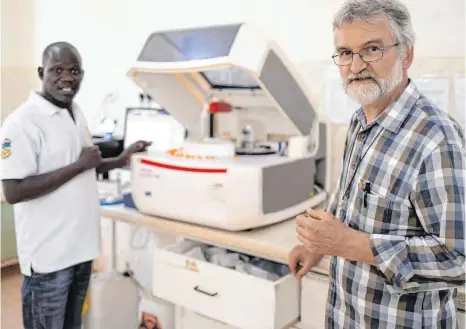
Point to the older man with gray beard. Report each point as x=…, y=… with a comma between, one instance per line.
x=395, y=224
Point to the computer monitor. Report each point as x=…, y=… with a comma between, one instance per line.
x=153, y=125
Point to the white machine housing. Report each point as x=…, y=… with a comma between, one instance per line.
x=184, y=69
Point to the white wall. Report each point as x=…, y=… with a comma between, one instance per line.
x=18, y=74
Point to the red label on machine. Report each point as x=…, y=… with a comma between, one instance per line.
x=180, y=168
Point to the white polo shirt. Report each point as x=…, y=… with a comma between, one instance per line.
x=62, y=228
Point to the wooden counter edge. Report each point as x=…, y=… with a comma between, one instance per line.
x=227, y=239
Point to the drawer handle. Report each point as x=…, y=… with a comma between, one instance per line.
x=205, y=292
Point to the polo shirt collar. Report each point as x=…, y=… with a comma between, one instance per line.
x=44, y=105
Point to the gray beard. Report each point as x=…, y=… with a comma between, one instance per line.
x=374, y=88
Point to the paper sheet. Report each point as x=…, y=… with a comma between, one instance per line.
x=460, y=99
x=435, y=89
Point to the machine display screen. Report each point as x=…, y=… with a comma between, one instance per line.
x=186, y=45
x=155, y=126
x=198, y=44
x=233, y=78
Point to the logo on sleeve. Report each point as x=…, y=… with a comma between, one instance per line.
x=6, y=148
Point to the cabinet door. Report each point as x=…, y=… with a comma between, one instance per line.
x=461, y=319
x=8, y=241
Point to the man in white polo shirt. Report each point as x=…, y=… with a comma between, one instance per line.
x=48, y=170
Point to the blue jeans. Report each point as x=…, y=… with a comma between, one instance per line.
x=55, y=300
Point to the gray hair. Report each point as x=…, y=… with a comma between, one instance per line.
x=397, y=14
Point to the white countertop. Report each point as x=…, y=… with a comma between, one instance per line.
x=273, y=242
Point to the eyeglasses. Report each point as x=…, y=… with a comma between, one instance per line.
x=368, y=54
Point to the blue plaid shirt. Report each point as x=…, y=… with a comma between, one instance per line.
x=402, y=181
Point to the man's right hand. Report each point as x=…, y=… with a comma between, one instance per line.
x=300, y=256
x=90, y=158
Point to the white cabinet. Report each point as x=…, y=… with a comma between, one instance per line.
x=461, y=320
x=314, y=291
x=235, y=298
x=187, y=319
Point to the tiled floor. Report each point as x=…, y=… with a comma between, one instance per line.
x=11, y=280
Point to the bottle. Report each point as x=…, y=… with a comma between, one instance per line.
x=108, y=127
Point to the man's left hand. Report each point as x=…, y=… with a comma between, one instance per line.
x=321, y=232
x=139, y=146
